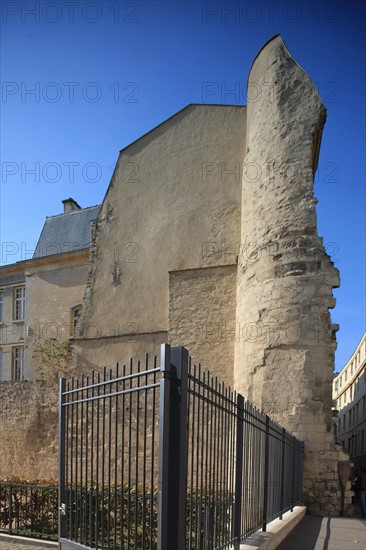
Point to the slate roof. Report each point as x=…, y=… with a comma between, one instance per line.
x=66, y=232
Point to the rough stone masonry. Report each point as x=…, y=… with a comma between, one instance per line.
x=284, y=357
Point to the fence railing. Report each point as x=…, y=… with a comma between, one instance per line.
x=165, y=456
x=29, y=510
x=159, y=456
x=226, y=469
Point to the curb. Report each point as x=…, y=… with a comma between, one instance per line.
x=15, y=539
x=276, y=532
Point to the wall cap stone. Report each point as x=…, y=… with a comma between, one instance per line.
x=276, y=532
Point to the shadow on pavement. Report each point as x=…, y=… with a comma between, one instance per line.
x=308, y=533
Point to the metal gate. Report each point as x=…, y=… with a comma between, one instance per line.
x=109, y=458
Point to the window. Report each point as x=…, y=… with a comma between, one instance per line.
x=18, y=364
x=345, y=375
x=75, y=314
x=19, y=303
x=1, y=305
x=1, y=365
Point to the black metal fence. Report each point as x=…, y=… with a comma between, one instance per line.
x=108, y=458
x=163, y=456
x=29, y=510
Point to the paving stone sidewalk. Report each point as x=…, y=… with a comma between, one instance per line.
x=315, y=533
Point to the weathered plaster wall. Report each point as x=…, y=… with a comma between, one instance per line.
x=284, y=357
x=170, y=195
x=29, y=429
x=51, y=293
x=98, y=352
x=202, y=305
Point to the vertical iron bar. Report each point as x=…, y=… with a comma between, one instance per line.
x=214, y=474
x=197, y=374
x=207, y=494
x=91, y=501
x=122, y=520
x=137, y=451
x=109, y=458
x=71, y=503
x=192, y=425
x=86, y=464
x=115, y=459
x=283, y=444
x=81, y=529
x=201, y=375
x=173, y=448
x=77, y=464
x=293, y=471
x=103, y=455
x=152, y=457
x=129, y=461
x=144, y=455
x=61, y=462
x=10, y=509
x=238, y=469
x=266, y=468
x=96, y=542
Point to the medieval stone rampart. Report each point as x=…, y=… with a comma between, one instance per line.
x=284, y=357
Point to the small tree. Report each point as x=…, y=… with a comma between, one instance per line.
x=51, y=357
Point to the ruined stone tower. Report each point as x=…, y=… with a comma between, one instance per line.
x=284, y=356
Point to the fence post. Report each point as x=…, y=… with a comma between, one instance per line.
x=61, y=464
x=266, y=468
x=283, y=447
x=173, y=448
x=10, y=502
x=293, y=471
x=238, y=470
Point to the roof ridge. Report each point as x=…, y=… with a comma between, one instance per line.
x=73, y=211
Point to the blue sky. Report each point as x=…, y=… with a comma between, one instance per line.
x=105, y=72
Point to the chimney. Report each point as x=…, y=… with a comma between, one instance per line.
x=70, y=205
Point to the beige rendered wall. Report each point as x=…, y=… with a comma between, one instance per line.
x=202, y=305
x=170, y=195
x=52, y=292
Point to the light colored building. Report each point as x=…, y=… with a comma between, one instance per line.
x=40, y=298
x=349, y=393
x=207, y=238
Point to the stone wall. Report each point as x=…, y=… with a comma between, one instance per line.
x=284, y=358
x=202, y=306
x=29, y=430
x=174, y=190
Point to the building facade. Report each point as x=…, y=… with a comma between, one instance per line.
x=349, y=394
x=40, y=298
x=207, y=238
